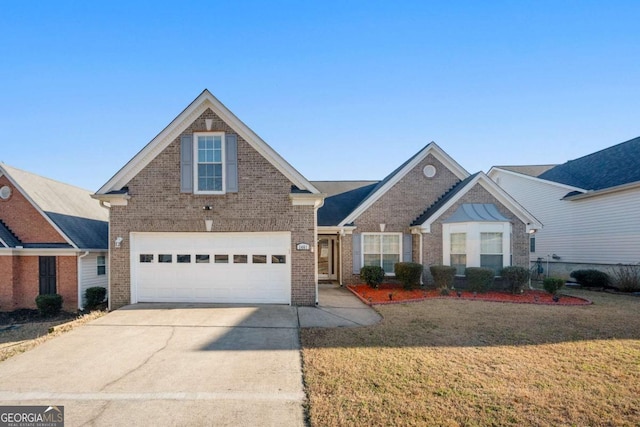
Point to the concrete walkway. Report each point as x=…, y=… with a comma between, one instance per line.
x=338, y=307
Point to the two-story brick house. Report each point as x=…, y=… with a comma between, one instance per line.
x=208, y=212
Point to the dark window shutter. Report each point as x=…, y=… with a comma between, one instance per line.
x=186, y=164
x=232, y=163
x=407, y=248
x=357, y=253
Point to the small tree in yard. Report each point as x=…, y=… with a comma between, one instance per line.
x=552, y=285
x=516, y=277
x=443, y=276
x=49, y=305
x=409, y=273
x=372, y=275
x=479, y=279
x=626, y=278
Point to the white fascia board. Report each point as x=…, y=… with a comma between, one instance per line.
x=596, y=193
x=307, y=199
x=497, y=192
x=37, y=208
x=2, y=242
x=181, y=122
x=334, y=229
x=494, y=170
x=433, y=149
x=113, y=199
x=39, y=252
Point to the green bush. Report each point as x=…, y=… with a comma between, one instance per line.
x=49, y=305
x=591, y=278
x=626, y=278
x=479, y=279
x=372, y=275
x=443, y=275
x=516, y=278
x=408, y=273
x=552, y=284
x=94, y=296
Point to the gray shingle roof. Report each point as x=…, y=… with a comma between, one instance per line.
x=337, y=207
x=442, y=200
x=606, y=168
x=531, y=170
x=71, y=208
x=8, y=237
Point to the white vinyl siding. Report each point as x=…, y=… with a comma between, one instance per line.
x=88, y=274
x=597, y=230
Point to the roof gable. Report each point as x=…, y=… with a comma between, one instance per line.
x=70, y=210
x=480, y=178
x=394, y=177
x=611, y=167
x=204, y=101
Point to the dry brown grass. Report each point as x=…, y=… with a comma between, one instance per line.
x=452, y=363
x=29, y=335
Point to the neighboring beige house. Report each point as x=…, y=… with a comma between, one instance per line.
x=589, y=206
x=208, y=212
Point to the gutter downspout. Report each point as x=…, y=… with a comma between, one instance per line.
x=108, y=266
x=340, y=236
x=80, y=278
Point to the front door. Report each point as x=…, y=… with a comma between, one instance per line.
x=47, y=267
x=327, y=258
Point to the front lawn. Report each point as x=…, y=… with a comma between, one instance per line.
x=460, y=362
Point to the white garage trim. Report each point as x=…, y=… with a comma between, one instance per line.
x=211, y=267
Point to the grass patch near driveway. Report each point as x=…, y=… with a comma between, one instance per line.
x=27, y=335
x=456, y=362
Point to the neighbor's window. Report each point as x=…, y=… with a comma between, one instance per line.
x=146, y=257
x=381, y=249
x=102, y=265
x=491, y=251
x=532, y=244
x=209, y=164
x=183, y=259
x=165, y=258
x=458, y=252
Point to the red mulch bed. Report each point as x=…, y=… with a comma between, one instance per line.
x=394, y=294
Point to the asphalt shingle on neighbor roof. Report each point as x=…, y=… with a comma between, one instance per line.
x=7, y=236
x=444, y=199
x=606, y=168
x=71, y=208
x=531, y=170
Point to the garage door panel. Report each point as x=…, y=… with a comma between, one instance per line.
x=211, y=281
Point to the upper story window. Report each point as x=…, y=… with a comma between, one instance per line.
x=382, y=249
x=210, y=167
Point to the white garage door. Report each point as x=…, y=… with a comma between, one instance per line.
x=211, y=267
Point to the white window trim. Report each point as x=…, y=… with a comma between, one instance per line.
x=473, y=230
x=195, y=162
x=98, y=265
x=381, y=234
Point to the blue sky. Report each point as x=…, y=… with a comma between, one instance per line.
x=341, y=89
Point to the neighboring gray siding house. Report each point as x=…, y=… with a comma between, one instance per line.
x=590, y=208
x=208, y=212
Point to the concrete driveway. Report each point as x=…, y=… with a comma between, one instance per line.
x=154, y=364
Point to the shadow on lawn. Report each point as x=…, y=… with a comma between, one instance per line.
x=456, y=323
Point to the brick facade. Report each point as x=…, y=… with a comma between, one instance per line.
x=408, y=199
x=261, y=204
x=19, y=274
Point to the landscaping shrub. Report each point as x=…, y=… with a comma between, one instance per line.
x=94, y=296
x=408, y=273
x=591, y=278
x=479, y=279
x=49, y=305
x=626, y=278
x=516, y=278
x=372, y=275
x=552, y=284
x=443, y=275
